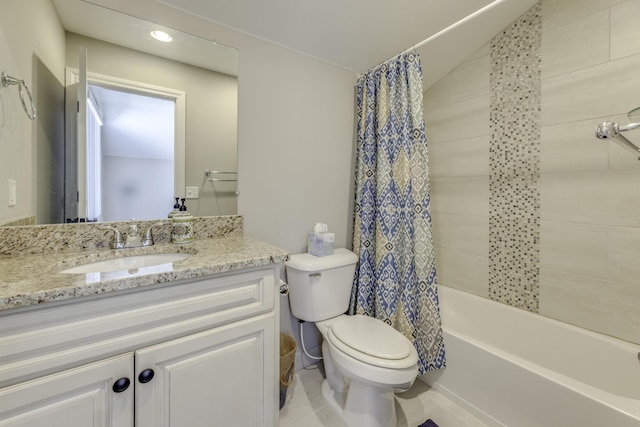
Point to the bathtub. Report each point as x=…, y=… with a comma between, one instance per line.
x=513, y=368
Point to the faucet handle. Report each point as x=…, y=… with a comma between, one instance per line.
x=117, y=237
x=132, y=239
x=147, y=240
x=133, y=230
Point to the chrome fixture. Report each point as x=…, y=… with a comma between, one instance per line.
x=132, y=238
x=147, y=240
x=611, y=130
x=22, y=88
x=117, y=242
x=211, y=176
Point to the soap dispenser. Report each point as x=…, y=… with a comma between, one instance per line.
x=182, y=225
x=176, y=209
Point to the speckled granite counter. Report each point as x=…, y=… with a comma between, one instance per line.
x=27, y=279
x=34, y=279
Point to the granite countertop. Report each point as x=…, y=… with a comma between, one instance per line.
x=27, y=280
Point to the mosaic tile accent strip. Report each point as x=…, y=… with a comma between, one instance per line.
x=514, y=159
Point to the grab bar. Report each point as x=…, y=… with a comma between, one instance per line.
x=22, y=87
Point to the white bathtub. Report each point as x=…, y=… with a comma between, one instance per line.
x=513, y=368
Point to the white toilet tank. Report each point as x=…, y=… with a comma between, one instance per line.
x=320, y=287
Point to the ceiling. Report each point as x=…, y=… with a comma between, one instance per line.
x=359, y=34
x=354, y=34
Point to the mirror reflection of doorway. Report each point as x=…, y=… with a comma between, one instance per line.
x=130, y=163
x=135, y=130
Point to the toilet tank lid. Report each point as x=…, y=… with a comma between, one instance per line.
x=307, y=262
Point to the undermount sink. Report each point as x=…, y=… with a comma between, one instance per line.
x=125, y=263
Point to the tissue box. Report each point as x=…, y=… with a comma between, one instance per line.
x=320, y=244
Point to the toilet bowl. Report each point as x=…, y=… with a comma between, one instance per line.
x=372, y=351
x=366, y=361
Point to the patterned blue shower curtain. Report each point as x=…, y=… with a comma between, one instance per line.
x=396, y=276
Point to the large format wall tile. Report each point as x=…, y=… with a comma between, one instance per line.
x=603, y=90
x=469, y=157
x=574, y=248
x=624, y=255
x=625, y=29
x=603, y=306
x=462, y=271
x=470, y=234
x=439, y=94
x=572, y=147
x=470, y=79
x=484, y=50
x=608, y=198
x=562, y=12
x=579, y=44
x=438, y=159
x=466, y=196
x=466, y=119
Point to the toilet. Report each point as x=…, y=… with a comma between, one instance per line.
x=366, y=361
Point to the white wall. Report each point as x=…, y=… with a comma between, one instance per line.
x=26, y=29
x=295, y=132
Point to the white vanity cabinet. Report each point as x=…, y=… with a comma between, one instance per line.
x=78, y=397
x=195, y=353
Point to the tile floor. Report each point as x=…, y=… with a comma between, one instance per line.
x=305, y=406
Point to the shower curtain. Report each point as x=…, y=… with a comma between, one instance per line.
x=396, y=277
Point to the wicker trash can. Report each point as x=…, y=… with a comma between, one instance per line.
x=287, y=362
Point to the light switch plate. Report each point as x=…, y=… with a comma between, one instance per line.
x=12, y=192
x=192, y=193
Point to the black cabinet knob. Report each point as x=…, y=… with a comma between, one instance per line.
x=146, y=376
x=121, y=385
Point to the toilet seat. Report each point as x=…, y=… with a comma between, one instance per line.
x=372, y=341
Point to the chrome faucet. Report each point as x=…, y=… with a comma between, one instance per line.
x=132, y=239
x=147, y=240
x=117, y=242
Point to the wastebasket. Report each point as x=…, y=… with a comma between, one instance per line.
x=287, y=362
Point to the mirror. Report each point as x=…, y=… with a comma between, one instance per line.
x=197, y=77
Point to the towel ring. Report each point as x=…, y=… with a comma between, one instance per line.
x=22, y=87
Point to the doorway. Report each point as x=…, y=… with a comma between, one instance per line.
x=131, y=163
x=133, y=170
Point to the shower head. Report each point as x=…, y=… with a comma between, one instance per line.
x=611, y=130
x=606, y=130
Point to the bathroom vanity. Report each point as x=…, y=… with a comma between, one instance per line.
x=193, y=345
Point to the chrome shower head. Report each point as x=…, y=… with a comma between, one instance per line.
x=611, y=130
x=606, y=130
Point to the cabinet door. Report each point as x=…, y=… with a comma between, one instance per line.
x=78, y=397
x=221, y=377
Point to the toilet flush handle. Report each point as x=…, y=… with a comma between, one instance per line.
x=315, y=275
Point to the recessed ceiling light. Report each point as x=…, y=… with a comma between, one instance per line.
x=161, y=35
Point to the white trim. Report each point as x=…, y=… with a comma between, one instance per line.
x=178, y=96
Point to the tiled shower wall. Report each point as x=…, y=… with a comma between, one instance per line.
x=583, y=257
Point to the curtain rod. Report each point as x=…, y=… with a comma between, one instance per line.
x=454, y=25
x=446, y=30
